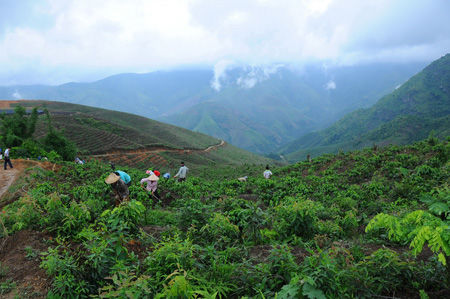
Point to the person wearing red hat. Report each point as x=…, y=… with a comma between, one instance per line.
x=152, y=184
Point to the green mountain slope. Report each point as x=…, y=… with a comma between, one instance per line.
x=234, y=126
x=408, y=114
x=262, y=108
x=135, y=140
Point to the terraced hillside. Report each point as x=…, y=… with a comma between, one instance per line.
x=133, y=140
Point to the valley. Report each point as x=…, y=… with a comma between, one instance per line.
x=224, y=149
x=279, y=107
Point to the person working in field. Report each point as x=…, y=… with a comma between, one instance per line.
x=7, y=159
x=150, y=172
x=78, y=160
x=182, y=173
x=152, y=184
x=124, y=176
x=267, y=173
x=119, y=187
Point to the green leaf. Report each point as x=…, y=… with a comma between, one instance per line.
x=439, y=207
x=312, y=292
x=441, y=258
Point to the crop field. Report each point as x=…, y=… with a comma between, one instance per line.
x=138, y=129
x=366, y=224
x=131, y=140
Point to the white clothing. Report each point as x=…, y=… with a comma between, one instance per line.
x=182, y=172
x=267, y=174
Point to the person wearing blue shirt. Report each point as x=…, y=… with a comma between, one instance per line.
x=124, y=176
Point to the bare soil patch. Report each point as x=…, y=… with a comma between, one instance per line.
x=22, y=265
x=4, y=104
x=134, y=156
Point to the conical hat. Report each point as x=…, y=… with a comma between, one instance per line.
x=112, y=178
x=153, y=177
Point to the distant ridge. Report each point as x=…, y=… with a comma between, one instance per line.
x=256, y=108
x=410, y=113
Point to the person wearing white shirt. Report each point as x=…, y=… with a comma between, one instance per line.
x=7, y=159
x=182, y=173
x=267, y=173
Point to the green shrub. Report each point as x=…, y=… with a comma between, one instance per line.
x=219, y=231
x=28, y=214
x=126, y=285
x=349, y=223
x=279, y=268
x=193, y=213
x=383, y=272
x=125, y=217
x=250, y=219
x=168, y=256
x=296, y=217
x=63, y=267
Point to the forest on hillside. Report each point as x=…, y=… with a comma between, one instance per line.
x=368, y=223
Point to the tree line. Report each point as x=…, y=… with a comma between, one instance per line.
x=17, y=130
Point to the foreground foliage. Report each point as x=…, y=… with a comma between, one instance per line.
x=297, y=235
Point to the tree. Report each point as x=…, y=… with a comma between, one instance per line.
x=18, y=127
x=55, y=140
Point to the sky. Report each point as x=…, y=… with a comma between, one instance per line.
x=58, y=41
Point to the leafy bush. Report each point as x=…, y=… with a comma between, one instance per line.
x=193, y=213
x=250, y=219
x=63, y=267
x=382, y=272
x=296, y=217
x=219, y=231
x=126, y=217
x=168, y=256
x=418, y=227
x=279, y=269
x=55, y=141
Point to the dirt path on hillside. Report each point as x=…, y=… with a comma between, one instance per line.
x=158, y=150
x=19, y=252
x=214, y=147
x=9, y=176
x=152, y=155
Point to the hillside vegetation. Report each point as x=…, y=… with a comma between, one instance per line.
x=256, y=108
x=365, y=224
x=132, y=140
x=408, y=114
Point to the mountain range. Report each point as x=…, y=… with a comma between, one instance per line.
x=255, y=108
x=410, y=113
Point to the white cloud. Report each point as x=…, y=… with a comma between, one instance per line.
x=17, y=95
x=145, y=35
x=220, y=69
x=330, y=85
x=256, y=74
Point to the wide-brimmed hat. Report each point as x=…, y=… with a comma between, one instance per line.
x=112, y=178
x=153, y=177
